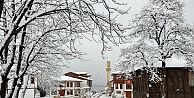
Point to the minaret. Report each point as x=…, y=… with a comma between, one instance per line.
x=108, y=70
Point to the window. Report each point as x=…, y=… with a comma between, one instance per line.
x=116, y=86
x=71, y=84
x=121, y=86
x=89, y=83
x=77, y=84
x=67, y=84
x=71, y=92
x=191, y=79
x=32, y=80
x=68, y=92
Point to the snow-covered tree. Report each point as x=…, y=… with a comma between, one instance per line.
x=89, y=94
x=113, y=95
x=159, y=33
x=37, y=33
x=46, y=78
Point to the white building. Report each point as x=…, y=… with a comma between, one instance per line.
x=74, y=84
x=31, y=89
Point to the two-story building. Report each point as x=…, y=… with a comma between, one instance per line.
x=121, y=86
x=69, y=86
x=75, y=84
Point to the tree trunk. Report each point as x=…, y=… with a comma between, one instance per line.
x=3, y=86
x=1, y=7
x=13, y=87
x=18, y=90
x=163, y=79
x=4, y=75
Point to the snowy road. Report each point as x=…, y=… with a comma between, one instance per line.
x=102, y=96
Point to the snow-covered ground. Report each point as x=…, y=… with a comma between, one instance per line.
x=104, y=96
x=97, y=96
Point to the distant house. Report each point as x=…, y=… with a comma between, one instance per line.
x=121, y=86
x=69, y=87
x=178, y=83
x=75, y=84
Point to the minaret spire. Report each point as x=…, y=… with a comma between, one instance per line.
x=108, y=70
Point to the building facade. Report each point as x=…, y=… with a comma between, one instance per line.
x=75, y=84
x=29, y=82
x=121, y=86
x=178, y=82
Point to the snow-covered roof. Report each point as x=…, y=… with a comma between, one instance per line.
x=85, y=87
x=116, y=72
x=77, y=72
x=170, y=63
x=174, y=62
x=85, y=78
x=67, y=78
x=89, y=74
x=80, y=72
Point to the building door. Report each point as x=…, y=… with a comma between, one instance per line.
x=128, y=94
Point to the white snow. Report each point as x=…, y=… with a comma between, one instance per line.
x=173, y=62
x=116, y=72
x=97, y=95
x=104, y=96
x=67, y=78
x=80, y=72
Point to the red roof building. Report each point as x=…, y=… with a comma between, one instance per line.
x=75, y=84
x=121, y=86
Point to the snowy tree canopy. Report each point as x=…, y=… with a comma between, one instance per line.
x=41, y=34
x=159, y=33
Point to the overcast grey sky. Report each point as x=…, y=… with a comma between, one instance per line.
x=97, y=65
